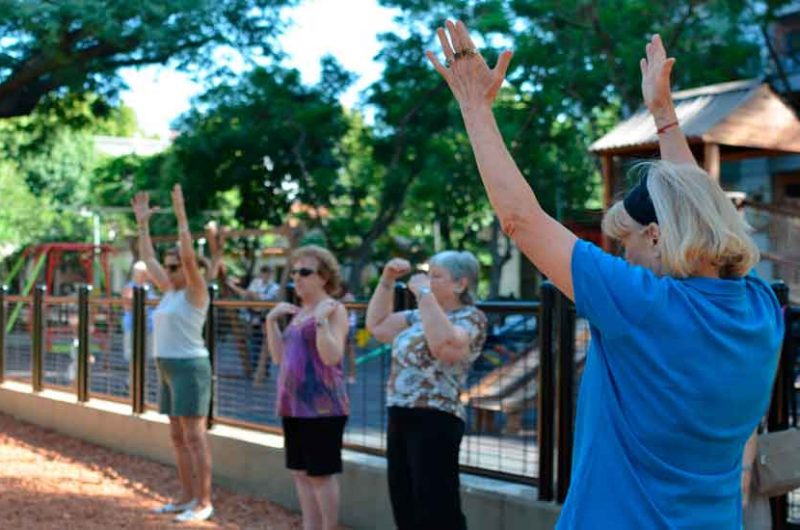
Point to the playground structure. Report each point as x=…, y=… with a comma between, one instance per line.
x=61, y=319
x=49, y=256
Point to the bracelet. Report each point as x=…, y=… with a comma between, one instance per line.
x=667, y=127
x=423, y=292
x=748, y=467
x=386, y=285
x=321, y=322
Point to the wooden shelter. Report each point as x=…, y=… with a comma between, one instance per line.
x=724, y=122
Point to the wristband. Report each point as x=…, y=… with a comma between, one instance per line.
x=667, y=127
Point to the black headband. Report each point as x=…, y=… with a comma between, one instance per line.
x=639, y=205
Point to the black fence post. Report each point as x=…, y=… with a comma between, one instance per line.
x=138, y=358
x=782, y=392
x=565, y=381
x=546, y=392
x=403, y=297
x=37, y=356
x=83, y=343
x=211, y=344
x=3, y=293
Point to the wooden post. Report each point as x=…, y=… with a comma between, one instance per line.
x=609, y=183
x=711, y=160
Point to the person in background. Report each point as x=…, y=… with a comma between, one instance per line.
x=182, y=358
x=756, y=511
x=352, y=318
x=138, y=279
x=262, y=288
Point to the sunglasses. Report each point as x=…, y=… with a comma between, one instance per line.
x=173, y=267
x=303, y=272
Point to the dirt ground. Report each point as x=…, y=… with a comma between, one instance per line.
x=51, y=482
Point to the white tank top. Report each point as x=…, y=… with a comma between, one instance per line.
x=178, y=327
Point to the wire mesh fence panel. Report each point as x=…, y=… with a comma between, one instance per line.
x=366, y=369
x=60, y=342
x=500, y=395
x=776, y=230
x=19, y=341
x=793, y=327
x=794, y=507
x=109, y=348
x=246, y=380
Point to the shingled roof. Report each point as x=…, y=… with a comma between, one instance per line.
x=746, y=114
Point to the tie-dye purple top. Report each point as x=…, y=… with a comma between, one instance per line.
x=306, y=387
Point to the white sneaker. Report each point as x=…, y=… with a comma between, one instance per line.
x=172, y=507
x=192, y=515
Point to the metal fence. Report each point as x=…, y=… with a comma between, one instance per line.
x=783, y=412
x=520, y=394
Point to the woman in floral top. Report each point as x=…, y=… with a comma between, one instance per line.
x=433, y=348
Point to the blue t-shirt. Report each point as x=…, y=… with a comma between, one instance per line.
x=678, y=374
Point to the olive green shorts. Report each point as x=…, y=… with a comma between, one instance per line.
x=185, y=386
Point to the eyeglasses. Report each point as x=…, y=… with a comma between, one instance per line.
x=303, y=272
x=173, y=267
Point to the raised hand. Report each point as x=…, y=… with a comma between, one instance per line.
x=656, y=69
x=470, y=79
x=281, y=310
x=325, y=309
x=141, y=207
x=178, y=205
x=418, y=282
x=395, y=269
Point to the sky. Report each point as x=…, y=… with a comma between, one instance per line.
x=159, y=94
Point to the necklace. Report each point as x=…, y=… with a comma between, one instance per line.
x=304, y=315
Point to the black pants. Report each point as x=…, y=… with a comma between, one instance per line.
x=422, y=454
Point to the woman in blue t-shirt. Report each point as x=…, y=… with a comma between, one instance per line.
x=684, y=338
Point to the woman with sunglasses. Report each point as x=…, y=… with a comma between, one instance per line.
x=433, y=348
x=312, y=395
x=684, y=337
x=182, y=358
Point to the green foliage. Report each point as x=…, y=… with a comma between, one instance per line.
x=78, y=45
x=48, y=160
x=268, y=137
x=23, y=217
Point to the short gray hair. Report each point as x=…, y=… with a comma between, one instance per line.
x=460, y=264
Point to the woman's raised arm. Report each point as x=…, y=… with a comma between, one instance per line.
x=544, y=240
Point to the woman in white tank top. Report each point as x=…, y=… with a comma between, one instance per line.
x=182, y=358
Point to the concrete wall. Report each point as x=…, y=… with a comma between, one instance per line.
x=252, y=462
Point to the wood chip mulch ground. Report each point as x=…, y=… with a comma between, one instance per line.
x=52, y=482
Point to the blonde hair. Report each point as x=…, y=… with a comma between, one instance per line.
x=696, y=220
x=328, y=266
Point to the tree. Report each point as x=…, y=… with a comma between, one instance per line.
x=78, y=45
x=266, y=137
x=47, y=160
x=574, y=74
x=23, y=217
